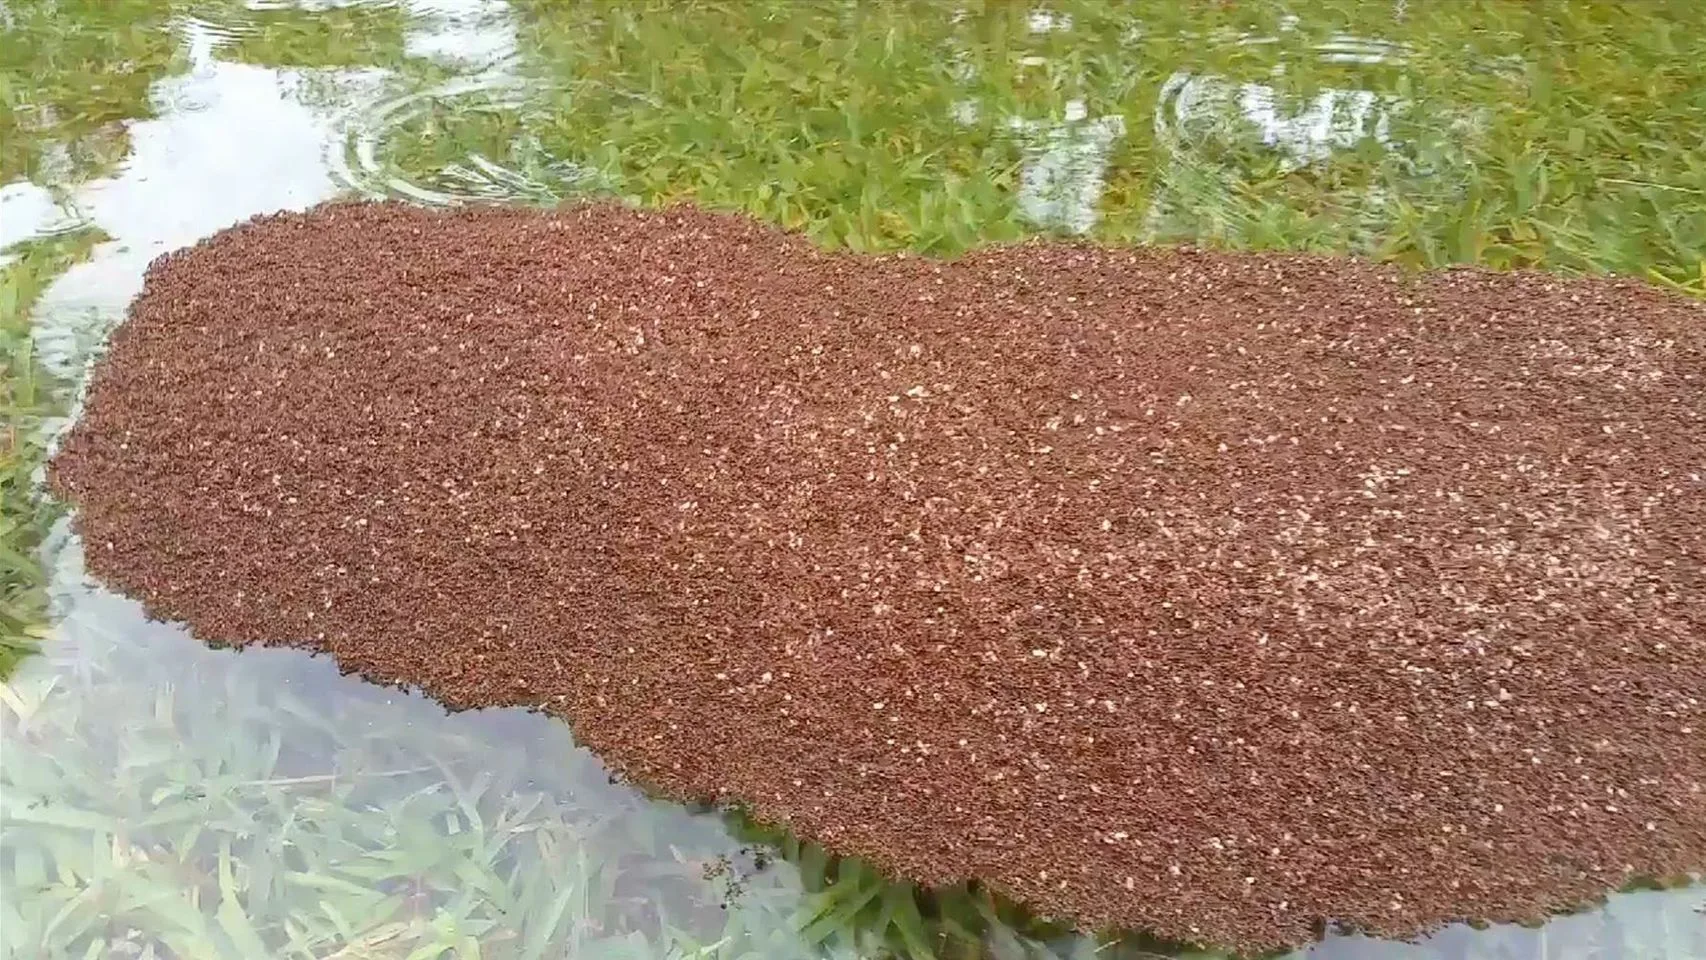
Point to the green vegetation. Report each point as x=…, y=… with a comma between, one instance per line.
x=27, y=398
x=849, y=904
x=162, y=799
x=1508, y=134
x=256, y=822
x=338, y=36
x=213, y=805
x=71, y=74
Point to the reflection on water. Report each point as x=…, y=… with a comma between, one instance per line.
x=31, y=212
x=231, y=140
x=1194, y=107
x=360, y=163
x=1061, y=181
x=477, y=40
x=467, y=33
x=1204, y=118
x=146, y=775
x=1332, y=120
x=164, y=799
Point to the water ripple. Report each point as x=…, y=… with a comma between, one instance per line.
x=394, y=148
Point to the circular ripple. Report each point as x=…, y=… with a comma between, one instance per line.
x=466, y=140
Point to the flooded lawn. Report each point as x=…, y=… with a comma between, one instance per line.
x=163, y=799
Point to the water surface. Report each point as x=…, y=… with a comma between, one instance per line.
x=165, y=799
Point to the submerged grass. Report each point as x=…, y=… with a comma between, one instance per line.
x=210, y=804
x=29, y=397
x=161, y=799
x=218, y=812
x=72, y=73
x=1509, y=134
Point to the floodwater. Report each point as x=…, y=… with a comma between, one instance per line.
x=164, y=799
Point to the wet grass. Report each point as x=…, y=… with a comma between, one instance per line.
x=29, y=397
x=160, y=797
x=210, y=805
x=1507, y=134
x=218, y=813
x=72, y=72
x=338, y=36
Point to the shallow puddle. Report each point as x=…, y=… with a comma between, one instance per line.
x=165, y=799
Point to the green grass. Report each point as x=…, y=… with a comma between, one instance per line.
x=354, y=36
x=210, y=809
x=156, y=795
x=28, y=398
x=71, y=73
x=1519, y=134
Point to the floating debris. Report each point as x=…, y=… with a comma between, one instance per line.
x=1213, y=594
